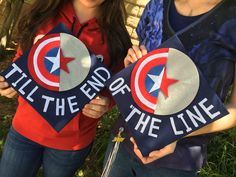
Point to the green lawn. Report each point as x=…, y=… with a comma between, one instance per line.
x=221, y=158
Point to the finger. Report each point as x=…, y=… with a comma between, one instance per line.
x=154, y=154
x=3, y=85
x=138, y=153
x=91, y=113
x=151, y=159
x=136, y=150
x=128, y=60
x=134, y=142
x=95, y=112
x=143, y=50
x=7, y=91
x=137, y=51
x=12, y=95
x=96, y=107
x=132, y=54
x=38, y=38
x=2, y=79
x=169, y=149
x=100, y=100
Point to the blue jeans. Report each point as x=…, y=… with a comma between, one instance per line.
x=126, y=165
x=22, y=158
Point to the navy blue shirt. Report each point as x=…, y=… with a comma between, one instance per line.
x=210, y=41
x=178, y=21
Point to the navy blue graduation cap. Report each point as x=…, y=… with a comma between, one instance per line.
x=163, y=97
x=57, y=76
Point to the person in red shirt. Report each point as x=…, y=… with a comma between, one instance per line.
x=31, y=141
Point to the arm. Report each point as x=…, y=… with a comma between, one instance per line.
x=226, y=122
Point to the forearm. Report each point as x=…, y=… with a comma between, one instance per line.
x=226, y=122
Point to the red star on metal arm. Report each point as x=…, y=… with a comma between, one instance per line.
x=64, y=61
x=166, y=82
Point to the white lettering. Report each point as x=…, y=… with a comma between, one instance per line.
x=48, y=100
x=23, y=86
x=86, y=92
x=29, y=97
x=142, y=122
x=208, y=109
x=154, y=127
x=60, y=106
x=181, y=117
x=72, y=105
x=104, y=70
x=15, y=69
x=135, y=110
x=198, y=117
x=120, y=87
x=176, y=132
x=22, y=77
x=95, y=84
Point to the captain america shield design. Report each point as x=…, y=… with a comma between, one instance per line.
x=160, y=82
x=55, y=64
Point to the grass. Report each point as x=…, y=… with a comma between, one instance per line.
x=221, y=156
x=221, y=151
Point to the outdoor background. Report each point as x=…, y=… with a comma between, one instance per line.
x=222, y=149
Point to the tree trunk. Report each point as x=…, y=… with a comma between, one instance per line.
x=11, y=14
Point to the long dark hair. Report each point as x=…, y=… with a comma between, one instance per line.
x=111, y=20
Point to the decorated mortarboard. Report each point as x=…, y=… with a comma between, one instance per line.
x=57, y=76
x=163, y=97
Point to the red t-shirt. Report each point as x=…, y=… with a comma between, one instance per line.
x=81, y=130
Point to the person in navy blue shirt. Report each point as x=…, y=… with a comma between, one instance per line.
x=207, y=31
x=32, y=142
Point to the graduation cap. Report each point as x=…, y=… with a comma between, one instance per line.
x=163, y=97
x=57, y=76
